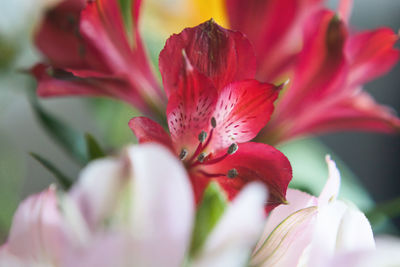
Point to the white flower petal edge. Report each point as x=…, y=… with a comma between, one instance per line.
x=231, y=241
x=147, y=200
x=312, y=231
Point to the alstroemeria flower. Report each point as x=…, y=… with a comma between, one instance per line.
x=326, y=65
x=124, y=212
x=212, y=112
x=325, y=92
x=312, y=231
x=95, y=49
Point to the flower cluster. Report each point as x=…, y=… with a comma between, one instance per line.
x=201, y=193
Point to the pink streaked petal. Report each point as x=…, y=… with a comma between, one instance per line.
x=286, y=244
x=190, y=107
x=297, y=200
x=147, y=130
x=221, y=55
x=242, y=110
x=371, y=54
x=321, y=65
x=254, y=162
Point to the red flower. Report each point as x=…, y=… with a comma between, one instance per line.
x=326, y=66
x=214, y=109
x=96, y=49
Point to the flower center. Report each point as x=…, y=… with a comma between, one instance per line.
x=201, y=158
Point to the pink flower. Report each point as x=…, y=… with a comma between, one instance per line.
x=124, y=212
x=212, y=113
x=95, y=49
x=327, y=66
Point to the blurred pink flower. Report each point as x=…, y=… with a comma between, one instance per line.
x=125, y=212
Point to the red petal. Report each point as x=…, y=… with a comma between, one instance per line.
x=371, y=54
x=355, y=112
x=58, y=38
x=62, y=83
x=274, y=27
x=147, y=130
x=253, y=162
x=190, y=108
x=102, y=25
x=242, y=110
x=321, y=67
x=222, y=55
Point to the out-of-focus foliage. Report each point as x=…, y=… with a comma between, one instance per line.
x=307, y=159
x=12, y=171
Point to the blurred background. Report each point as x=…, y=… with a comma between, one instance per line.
x=369, y=161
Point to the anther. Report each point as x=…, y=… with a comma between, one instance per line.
x=201, y=157
x=232, y=148
x=183, y=154
x=232, y=173
x=213, y=122
x=202, y=136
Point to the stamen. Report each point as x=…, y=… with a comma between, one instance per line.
x=183, y=154
x=210, y=174
x=232, y=173
x=213, y=122
x=232, y=148
x=201, y=157
x=202, y=136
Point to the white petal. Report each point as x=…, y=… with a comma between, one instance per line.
x=354, y=232
x=297, y=200
x=38, y=232
x=287, y=242
x=98, y=187
x=231, y=241
x=332, y=186
x=162, y=206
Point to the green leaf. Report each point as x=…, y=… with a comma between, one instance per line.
x=64, y=181
x=383, y=211
x=68, y=138
x=93, y=148
x=211, y=208
x=12, y=172
x=310, y=171
x=117, y=115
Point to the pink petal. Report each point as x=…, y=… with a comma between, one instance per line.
x=190, y=107
x=286, y=244
x=242, y=110
x=274, y=28
x=254, y=162
x=221, y=55
x=147, y=130
x=321, y=65
x=62, y=83
x=37, y=233
x=371, y=54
